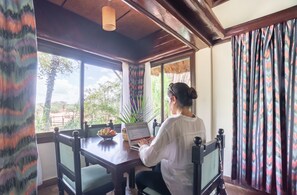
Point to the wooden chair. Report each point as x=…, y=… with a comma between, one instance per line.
x=72, y=178
x=208, y=165
x=208, y=162
x=92, y=130
x=156, y=127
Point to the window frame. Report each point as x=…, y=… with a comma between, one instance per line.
x=162, y=62
x=85, y=58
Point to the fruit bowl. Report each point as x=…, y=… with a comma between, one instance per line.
x=107, y=137
x=107, y=133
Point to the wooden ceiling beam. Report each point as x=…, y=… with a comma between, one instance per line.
x=167, y=21
x=165, y=54
x=202, y=9
x=198, y=16
x=59, y=25
x=271, y=19
x=159, y=45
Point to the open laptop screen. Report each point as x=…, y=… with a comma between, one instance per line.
x=137, y=131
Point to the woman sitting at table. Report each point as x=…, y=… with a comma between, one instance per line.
x=170, y=151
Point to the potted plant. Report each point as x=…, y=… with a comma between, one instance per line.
x=140, y=111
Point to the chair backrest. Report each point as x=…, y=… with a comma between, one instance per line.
x=156, y=127
x=68, y=160
x=207, y=159
x=92, y=130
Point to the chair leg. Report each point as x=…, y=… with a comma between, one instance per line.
x=124, y=184
x=87, y=162
x=139, y=192
x=60, y=186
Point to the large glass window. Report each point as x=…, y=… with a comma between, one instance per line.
x=60, y=92
x=156, y=89
x=164, y=73
x=102, y=94
x=57, y=99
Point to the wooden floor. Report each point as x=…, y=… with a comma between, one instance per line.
x=231, y=190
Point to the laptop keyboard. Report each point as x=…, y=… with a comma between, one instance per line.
x=135, y=147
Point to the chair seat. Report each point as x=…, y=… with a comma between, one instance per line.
x=150, y=191
x=92, y=177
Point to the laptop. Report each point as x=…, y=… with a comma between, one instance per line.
x=136, y=132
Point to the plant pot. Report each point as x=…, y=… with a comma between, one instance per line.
x=124, y=134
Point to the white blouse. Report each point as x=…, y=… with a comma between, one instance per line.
x=173, y=147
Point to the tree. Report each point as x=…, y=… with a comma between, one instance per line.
x=50, y=66
x=103, y=102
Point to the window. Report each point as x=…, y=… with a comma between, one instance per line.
x=156, y=89
x=57, y=97
x=71, y=91
x=102, y=94
x=168, y=72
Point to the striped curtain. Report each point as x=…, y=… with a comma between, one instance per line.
x=18, y=62
x=265, y=108
x=136, y=84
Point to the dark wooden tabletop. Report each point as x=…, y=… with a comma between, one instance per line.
x=115, y=155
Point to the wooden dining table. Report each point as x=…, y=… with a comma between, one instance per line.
x=115, y=155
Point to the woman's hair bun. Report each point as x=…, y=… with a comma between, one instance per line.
x=192, y=93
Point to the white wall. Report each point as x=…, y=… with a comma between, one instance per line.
x=214, y=86
x=203, y=87
x=222, y=97
x=48, y=160
x=234, y=12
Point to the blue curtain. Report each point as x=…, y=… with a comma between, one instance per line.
x=18, y=66
x=136, y=84
x=265, y=108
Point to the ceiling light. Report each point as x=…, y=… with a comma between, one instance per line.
x=108, y=18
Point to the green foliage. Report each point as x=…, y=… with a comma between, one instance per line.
x=72, y=124
x=140, y=112
x=156, y=93
x=71, y=111
x=49, y=66
x=62, y=65
x=167, y=80
x=103, y=102
x=58, y=106
x=39, y=124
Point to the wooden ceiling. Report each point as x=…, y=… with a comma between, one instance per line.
x=129, y=22
x=147, y=30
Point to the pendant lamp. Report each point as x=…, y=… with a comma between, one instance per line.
x=108, y=18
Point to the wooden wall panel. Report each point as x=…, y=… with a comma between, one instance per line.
x=130, y=23
x=136, y=25
x=159, y=45
x=59, y=25
x=169, y=22
x=91, y=9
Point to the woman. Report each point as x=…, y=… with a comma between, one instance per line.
x=171, y=149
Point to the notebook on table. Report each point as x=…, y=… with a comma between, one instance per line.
x=136, y=132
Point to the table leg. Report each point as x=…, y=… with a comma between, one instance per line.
x=132, y=178
x=118, y=182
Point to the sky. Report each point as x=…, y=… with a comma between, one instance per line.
x=67, y=86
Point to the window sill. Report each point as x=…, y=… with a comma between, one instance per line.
x=45, y=137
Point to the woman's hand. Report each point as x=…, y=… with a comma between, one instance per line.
x=145, y=141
